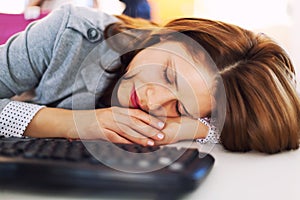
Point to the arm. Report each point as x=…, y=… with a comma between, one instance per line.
x=115, y=124
x=26, y=56
x=51, y=122
x=23, y=60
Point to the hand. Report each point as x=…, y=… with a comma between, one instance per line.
x=32, y=12
x=119, y=125
x=182, y=128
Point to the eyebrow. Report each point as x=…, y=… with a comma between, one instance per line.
x=176, y=85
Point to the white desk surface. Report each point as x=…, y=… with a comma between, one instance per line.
x=235, y=176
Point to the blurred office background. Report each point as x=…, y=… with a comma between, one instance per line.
x=279, y=19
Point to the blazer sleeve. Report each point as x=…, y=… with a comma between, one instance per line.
x=23, y=61
x=26, y=55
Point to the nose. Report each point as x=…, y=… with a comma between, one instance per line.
x=161, y=102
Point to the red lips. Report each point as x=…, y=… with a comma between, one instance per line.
x=134, y=99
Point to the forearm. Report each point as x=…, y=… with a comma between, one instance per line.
x=189, y=129
x=52, y=122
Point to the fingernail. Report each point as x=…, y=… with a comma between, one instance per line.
x=150, y=143
x=160, y=136
x=161, y=124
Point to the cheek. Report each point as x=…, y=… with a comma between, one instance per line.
x=196, y=96
x=206, y=106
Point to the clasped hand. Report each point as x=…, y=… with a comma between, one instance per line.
x=125, y=125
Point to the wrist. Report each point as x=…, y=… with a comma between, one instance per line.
x=212, y=135
x=51, y=122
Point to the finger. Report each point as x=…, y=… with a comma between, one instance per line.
x=115, y=137
x=134, y=136
x=145, y=117
x=136, y=124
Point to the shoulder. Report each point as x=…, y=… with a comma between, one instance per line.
x=83, y=16
x=88, y=22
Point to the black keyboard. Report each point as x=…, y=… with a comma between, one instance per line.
x=98, y=165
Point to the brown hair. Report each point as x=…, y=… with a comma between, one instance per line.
x=262, y=106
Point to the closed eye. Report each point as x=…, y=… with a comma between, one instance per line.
x=170, y=73
x=166, y=77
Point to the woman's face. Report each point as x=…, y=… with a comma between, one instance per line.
x=164, y=80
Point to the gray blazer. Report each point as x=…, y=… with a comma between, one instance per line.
x=63, y=57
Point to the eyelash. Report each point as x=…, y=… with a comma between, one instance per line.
x=166, y=75
x=170, y=82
